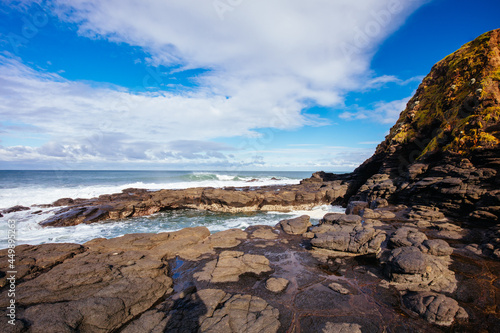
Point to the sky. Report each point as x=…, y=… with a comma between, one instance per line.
x=216, y=84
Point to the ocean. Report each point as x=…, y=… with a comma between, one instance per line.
x=28, y=188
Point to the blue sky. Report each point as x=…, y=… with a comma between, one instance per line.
x=204, y=85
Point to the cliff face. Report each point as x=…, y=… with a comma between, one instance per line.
x=444, y=149
x=456, y=108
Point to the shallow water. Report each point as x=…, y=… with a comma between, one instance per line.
x=42, y=187
x=30, y=232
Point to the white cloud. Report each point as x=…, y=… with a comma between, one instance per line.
x=382, y=112
x=268, y=61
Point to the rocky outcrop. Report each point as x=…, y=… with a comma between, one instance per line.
x=346, y=233
x=135, y=202
x=296, y=226
x=416, y=263
x=435, y=308
x=14, y=209
x=444, y=149
x=258, y=280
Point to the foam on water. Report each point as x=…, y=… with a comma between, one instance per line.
x=30, y=195
x=30, y=232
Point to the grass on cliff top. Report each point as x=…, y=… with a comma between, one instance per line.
x=448, y=103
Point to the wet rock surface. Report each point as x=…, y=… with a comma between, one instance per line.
x=209, y=310
x=231, y=265
x=191, y=281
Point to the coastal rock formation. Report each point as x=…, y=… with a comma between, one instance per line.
x=136, y=202
x=444, y=149
x=209, y=310
x=14, y=209
x=231, y=265
x=415, y=268
x=296, y=226
x=345, y=233
x=189, y=281
x=435, y=308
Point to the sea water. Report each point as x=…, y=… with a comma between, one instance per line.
x=29, y=188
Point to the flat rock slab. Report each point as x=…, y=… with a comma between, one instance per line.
x=341, y=219
x=263, y=232
x=276, y=285
x=209, y=310
x=231, y=265
x=227, y=238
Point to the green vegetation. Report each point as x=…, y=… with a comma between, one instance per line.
x=454, y=103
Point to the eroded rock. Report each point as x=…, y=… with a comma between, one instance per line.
x=409, y=268
x=296, y=226
x=348, y=238
x=407, y=236
x=341, y=219
x=231, y=265
x=435, y=308
x=209, y=310
x=355, y=207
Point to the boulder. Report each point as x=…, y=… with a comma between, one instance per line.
x=348, y=238
x=296, y=226
x=407, y=236
x=409, y=260
x=438, y=247
x=408, y=268
x=15, y=209
x=355, y=207
x=435, y=308
x=341, y=219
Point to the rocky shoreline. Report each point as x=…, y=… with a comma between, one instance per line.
x=140, y=202
x=417, y=251
x=347, y=273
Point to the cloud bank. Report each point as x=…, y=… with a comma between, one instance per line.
x=267, y=62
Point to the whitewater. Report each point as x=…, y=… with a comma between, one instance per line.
x=28, y=188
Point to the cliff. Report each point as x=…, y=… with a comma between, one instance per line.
x=443, y=150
